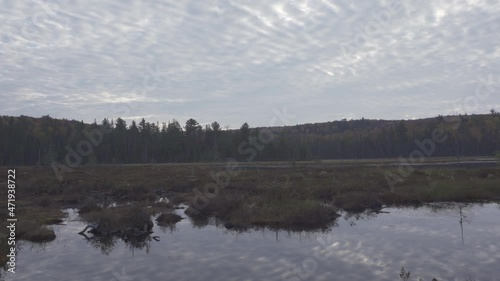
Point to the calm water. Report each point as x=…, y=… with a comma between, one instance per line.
x=427, y=241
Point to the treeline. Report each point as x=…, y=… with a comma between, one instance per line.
x=41, y=141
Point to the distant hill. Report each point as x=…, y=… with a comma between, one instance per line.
x=41, y=141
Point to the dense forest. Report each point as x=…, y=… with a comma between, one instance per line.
x=42, y=141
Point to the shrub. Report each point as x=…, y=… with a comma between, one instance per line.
x=167, y=219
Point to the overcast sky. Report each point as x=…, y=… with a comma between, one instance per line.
x=234, y=61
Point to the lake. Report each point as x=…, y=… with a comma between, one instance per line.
x=443, y=241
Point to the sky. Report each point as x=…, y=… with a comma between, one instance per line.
x=264, y=62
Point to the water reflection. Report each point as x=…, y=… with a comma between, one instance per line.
x=463, y=217
x=426, y=241
x=107, y=242
x=202, y=222
x=103, y=243
x=463, y=210
x=364, y=216
x=405, y=276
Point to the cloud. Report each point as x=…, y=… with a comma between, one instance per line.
x=234, y=61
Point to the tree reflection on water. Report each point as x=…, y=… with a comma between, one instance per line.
x=107, y=243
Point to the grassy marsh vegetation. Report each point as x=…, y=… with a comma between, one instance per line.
x=294, y=197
